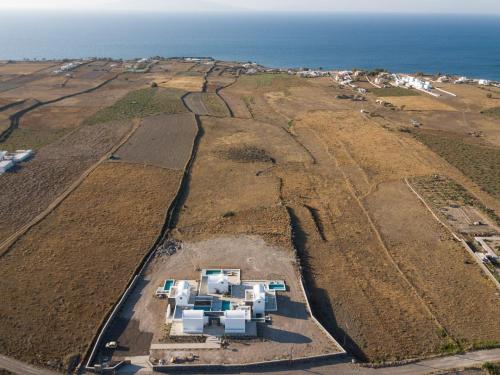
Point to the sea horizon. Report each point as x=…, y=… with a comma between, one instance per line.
x=434, y=43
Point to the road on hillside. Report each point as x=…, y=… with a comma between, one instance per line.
x=345, y=367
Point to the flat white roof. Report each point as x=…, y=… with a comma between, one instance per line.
x=193, y=314
x=235, y=314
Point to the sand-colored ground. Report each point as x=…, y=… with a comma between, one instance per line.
x=74, y=264
x=297, y=166
x=25, y=67
x=291, y=329
x=472, y=97
x=419, y=103
x=187, y=83
x=463, y=300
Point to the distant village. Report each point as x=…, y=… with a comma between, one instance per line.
x=377, y=78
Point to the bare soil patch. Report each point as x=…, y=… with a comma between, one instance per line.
x=77, y=261
x=24, y=67
x=163, y=140
x=291, y=330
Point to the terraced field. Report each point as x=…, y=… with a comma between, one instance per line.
x=78, y=260
x=289, y=166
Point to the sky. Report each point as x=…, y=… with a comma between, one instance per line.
x=383, y=6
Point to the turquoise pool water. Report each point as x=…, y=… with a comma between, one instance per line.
x=277, y=286
x=226, y=305
x=204, y=308
x=168, y=284
x=213, y=272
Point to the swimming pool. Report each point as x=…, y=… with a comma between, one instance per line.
x=169, y=283
x=226, y=305
x=277, y=286
x=213, y=272
x=202, y=307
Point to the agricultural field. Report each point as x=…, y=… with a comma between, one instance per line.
x=185, y=82
x=35, y=184
x=140, y=103
x=162, y=140
x=479, y=161
x=393, y=91
x=280, y=176
x=94, y=232
x=206, y=104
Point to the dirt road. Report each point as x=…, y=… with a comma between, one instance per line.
x=21, y=368
x=344, y=366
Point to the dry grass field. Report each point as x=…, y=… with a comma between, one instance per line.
x=186, y=83
x=32, y=186
x=418, y=103
x=75, y=263
x=294, y=166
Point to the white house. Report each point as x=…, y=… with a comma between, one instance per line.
x=5, y=165
x=218, y=284
x=193, y=321
x=259, y=299
x=22, y=155
x=182, y=293
x=234, y=321
x=484, y=82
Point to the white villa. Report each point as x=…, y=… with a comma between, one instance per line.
x=220, y=303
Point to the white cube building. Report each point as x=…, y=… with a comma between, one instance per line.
x=259, y=299
x=234, y=321
x=5, y=165
x=218, y=284
x=182, y=293
x=193, y=321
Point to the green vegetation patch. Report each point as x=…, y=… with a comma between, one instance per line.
x=35, y=139
x=394, y=91
x=246, y=154
x=440, y=191
x=492, y=112
x=140, y=103
x=270, y=82
x=481, y=163
x=214, y=104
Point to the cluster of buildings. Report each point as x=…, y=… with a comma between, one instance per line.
x=218, y=304
x=140, y=65
x=8, y=160
x=68, y=67
x=412, y=82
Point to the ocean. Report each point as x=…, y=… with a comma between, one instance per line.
x=458, y=44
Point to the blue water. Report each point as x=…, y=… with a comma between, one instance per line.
x=226, y=305
x=468, y=45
